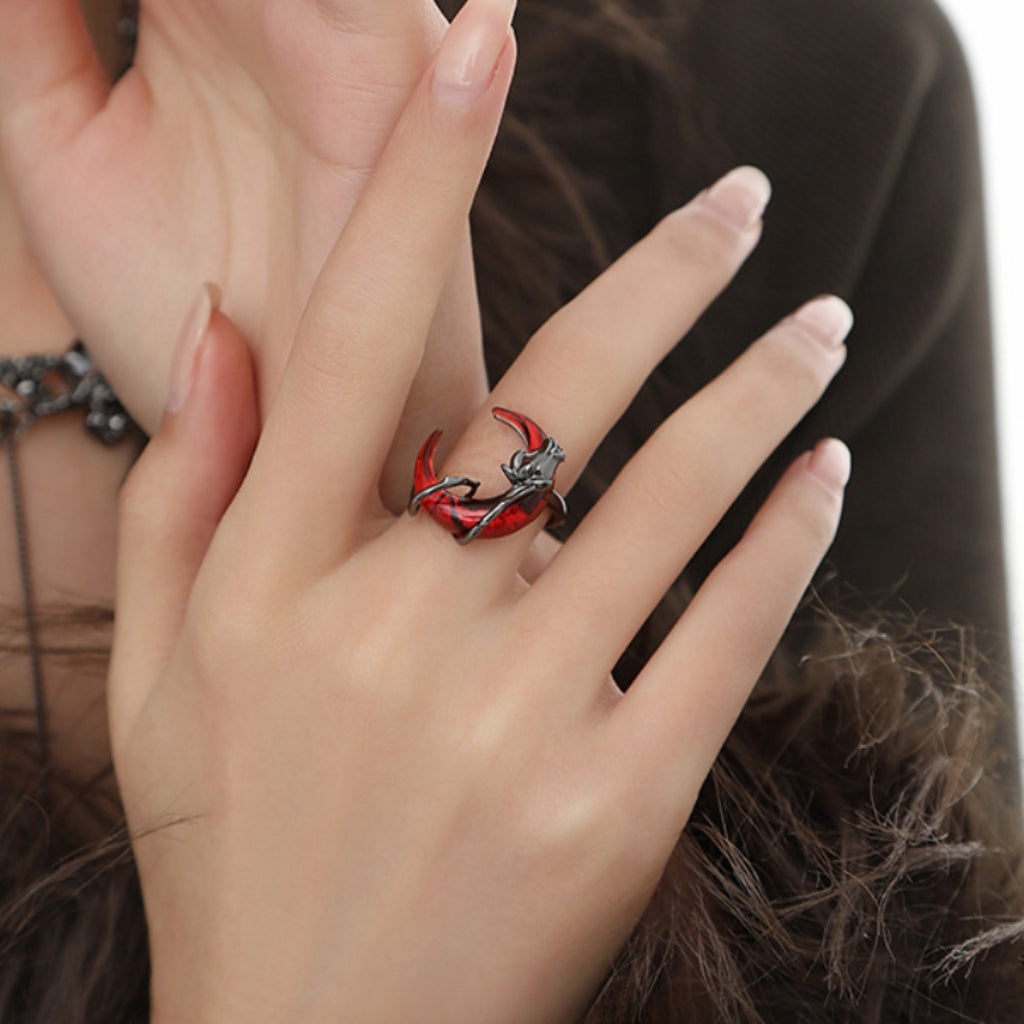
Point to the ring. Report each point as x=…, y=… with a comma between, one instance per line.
x=531, y=477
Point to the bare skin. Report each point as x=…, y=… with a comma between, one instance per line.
x=303, y=678
x=71, y=483
x=475, y=845
x=70, y=487
x=232, y=152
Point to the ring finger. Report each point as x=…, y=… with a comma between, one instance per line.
x=645, y=529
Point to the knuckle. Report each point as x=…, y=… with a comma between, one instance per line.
x=584, y=835
x=697, y=237
x=674, y=475
x=790, y=362
x=226, y=627
x=814, y=510
x=340, y=358
x=374, y=670
x=487, y=730
x=562, y=825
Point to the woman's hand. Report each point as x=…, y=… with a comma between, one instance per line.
x=374, y=775
x=233, y=151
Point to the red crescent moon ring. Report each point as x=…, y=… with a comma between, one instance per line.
x=464, y=515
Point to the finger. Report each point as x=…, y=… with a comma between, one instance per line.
x=588, y=362
x=677, y=714
x=451, y=384
x=178, y=492
x=583, y=368
x=648, y=525
x=51, y=80
x=362, y=336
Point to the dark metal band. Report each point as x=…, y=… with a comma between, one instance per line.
x=452, y=501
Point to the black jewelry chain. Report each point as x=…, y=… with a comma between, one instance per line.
x=9, y=431
x=32, y=388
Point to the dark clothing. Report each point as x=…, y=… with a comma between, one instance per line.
x=861, y=112
x=862, y=115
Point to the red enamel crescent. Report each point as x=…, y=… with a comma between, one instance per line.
x=530, y=473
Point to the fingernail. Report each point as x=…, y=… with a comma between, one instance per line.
x=183, y=365
x=469, y=53
x=827, y=318
x=740, y=197
x=831, y=463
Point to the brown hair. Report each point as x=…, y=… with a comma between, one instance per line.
x=850, y=856
x=72, y=930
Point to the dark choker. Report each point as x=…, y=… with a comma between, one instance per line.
x=34, y=387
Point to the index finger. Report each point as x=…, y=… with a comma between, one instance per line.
x=361, y=339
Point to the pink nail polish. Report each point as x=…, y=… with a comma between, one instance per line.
x=470, y=50
x=189, y=343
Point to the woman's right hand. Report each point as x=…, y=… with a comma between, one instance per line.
x=233, y=151
x=373, y=775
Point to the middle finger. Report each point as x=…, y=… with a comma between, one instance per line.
x=585, y=365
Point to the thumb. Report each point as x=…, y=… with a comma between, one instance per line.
x=176, y=495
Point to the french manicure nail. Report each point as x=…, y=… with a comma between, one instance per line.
x=740, y=197
x=186, y=352
x=471, y=48
x=827, y=318
x=831, y=463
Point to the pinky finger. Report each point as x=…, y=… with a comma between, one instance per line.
x=678, y=713
x=175, y=497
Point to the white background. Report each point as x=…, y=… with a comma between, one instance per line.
x=991, y=32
